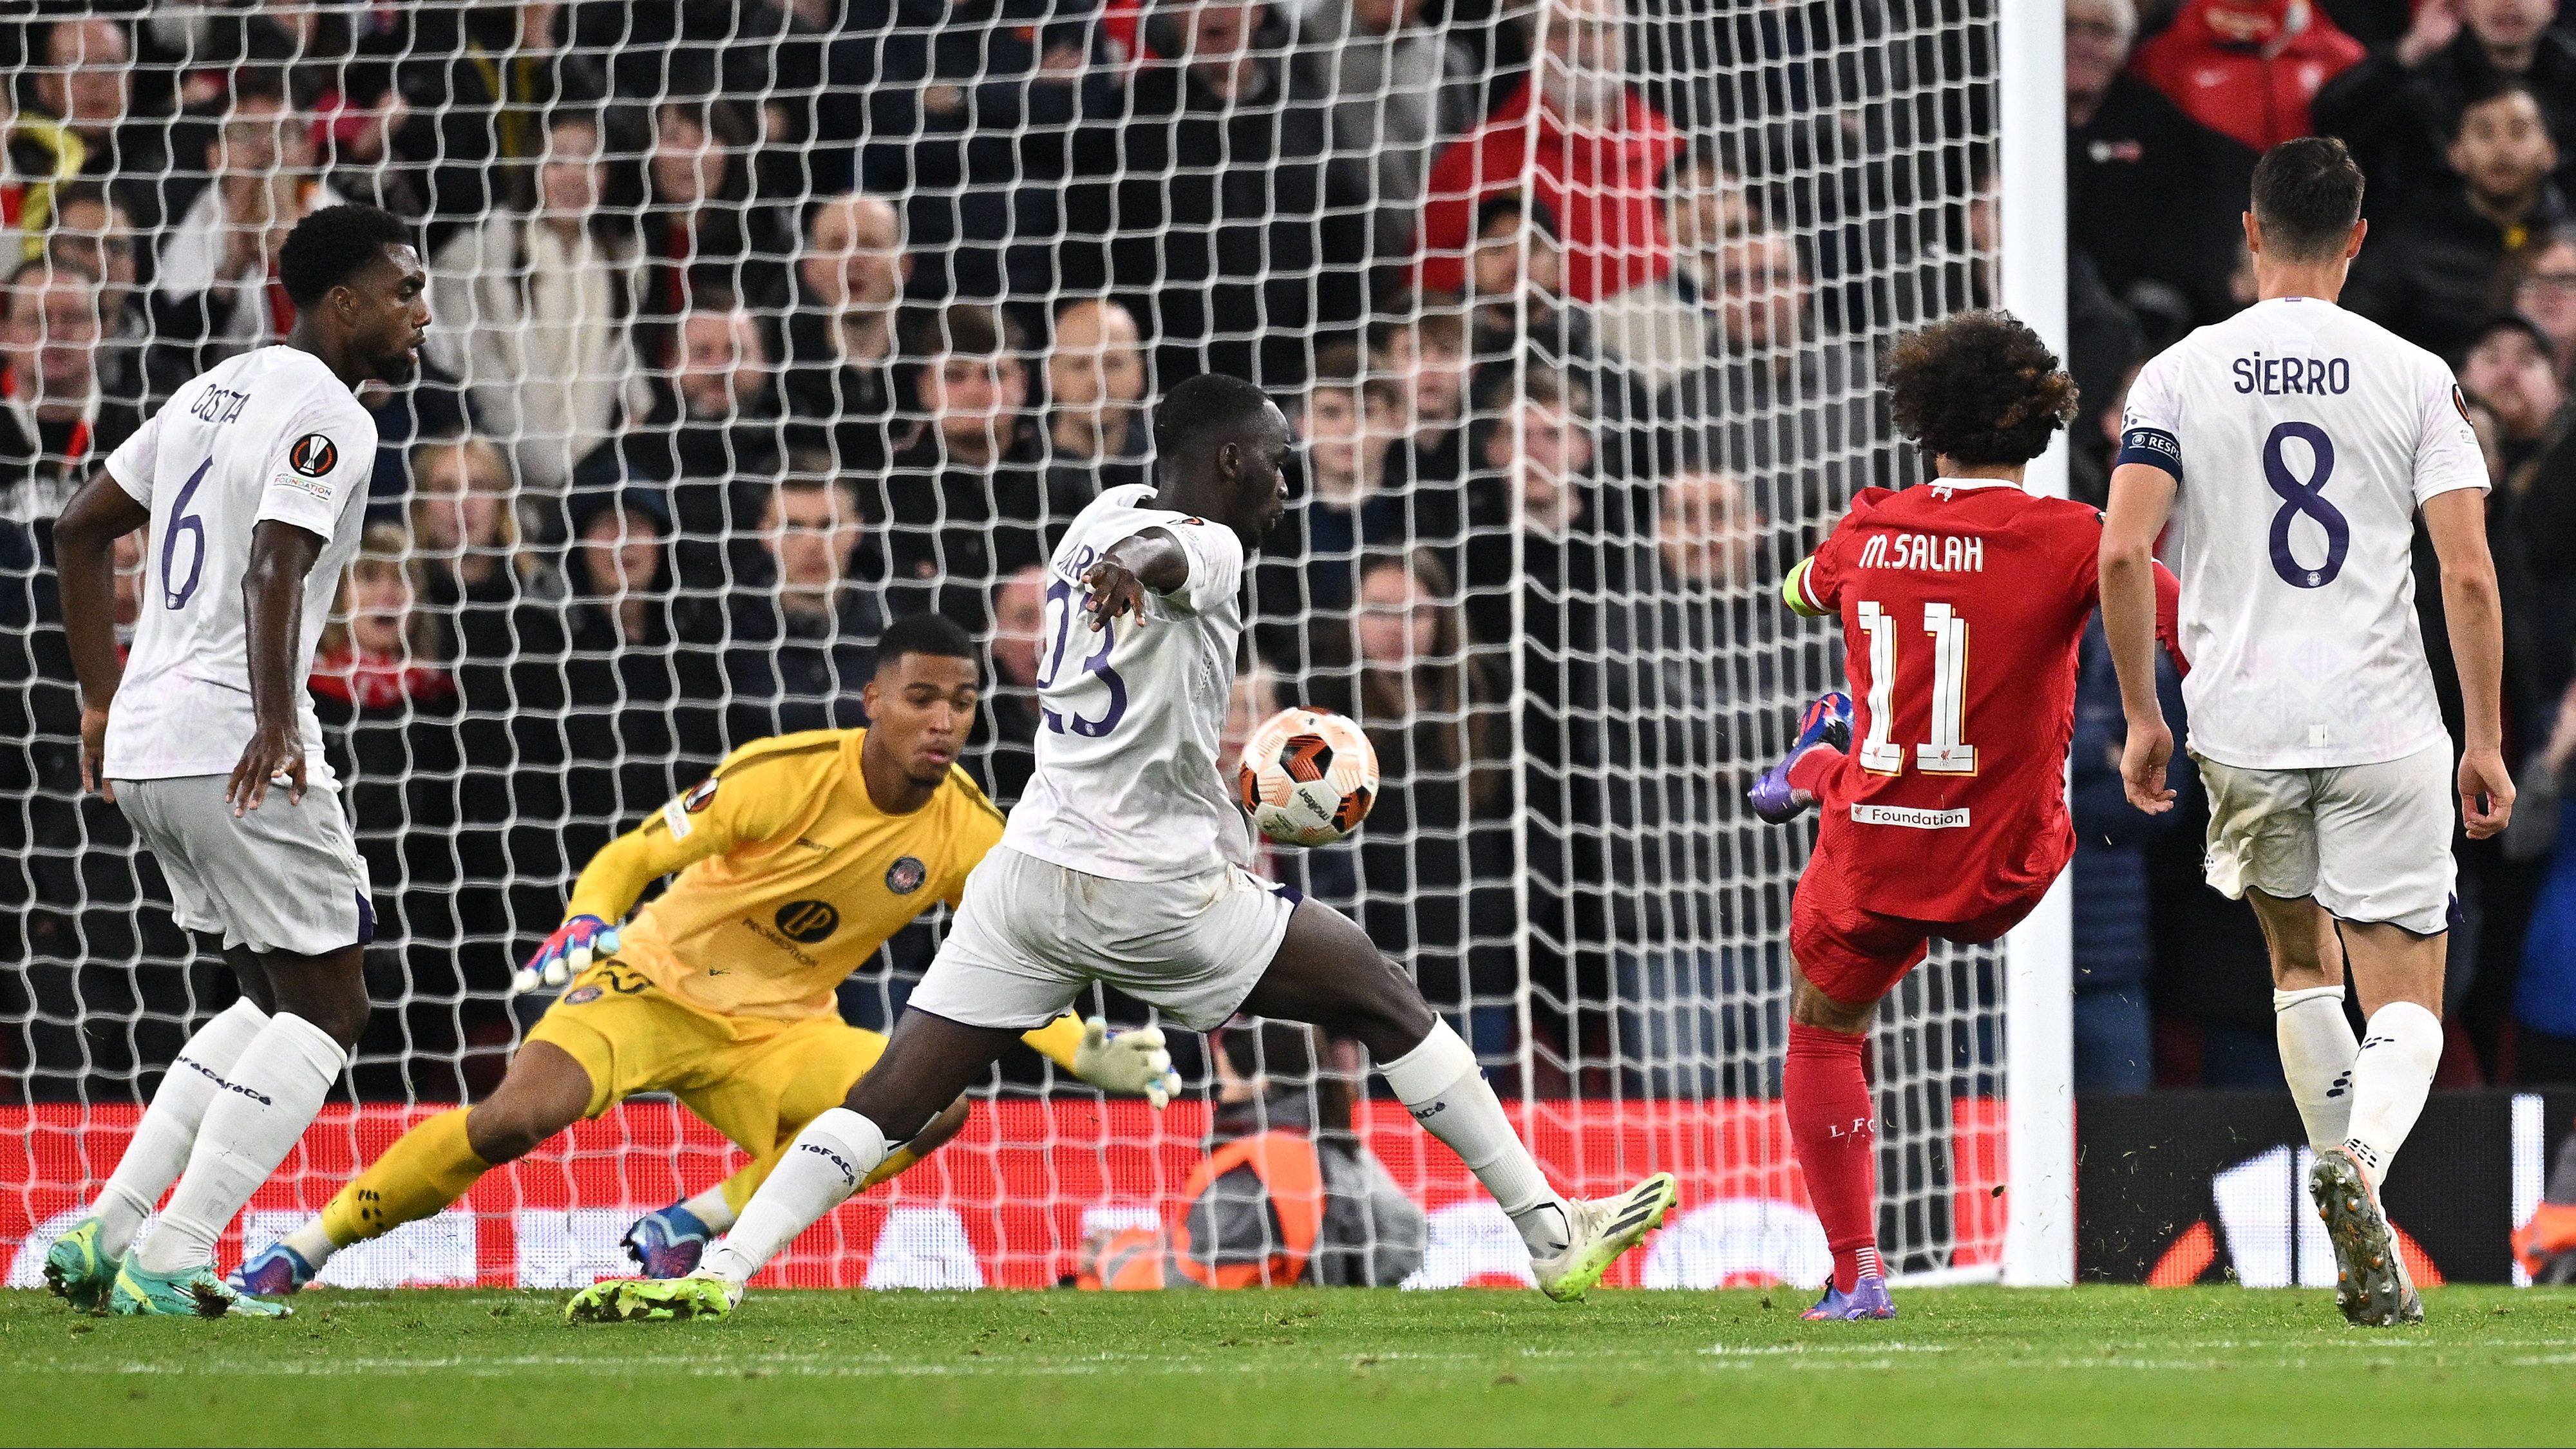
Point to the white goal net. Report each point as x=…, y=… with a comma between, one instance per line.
x=759, y=324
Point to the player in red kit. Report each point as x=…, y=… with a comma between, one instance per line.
x=1963, y=602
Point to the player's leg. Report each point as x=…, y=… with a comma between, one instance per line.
x=431, y=1166
x=1785, y=790
x=1845, y=960
x=1328, y=973
x=2317, y=1044
x=81, y=1264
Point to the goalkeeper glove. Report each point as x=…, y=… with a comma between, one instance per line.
x=566, y=954
x=1130, y=1063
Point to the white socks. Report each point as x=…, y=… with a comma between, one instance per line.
x=269, y=1098
x=2317, y=1049
x=159, y=1149
x=822, y=1167
x=2390, y=1077
x=1440, y=1083
x=312, y=1244
x=710, y=1207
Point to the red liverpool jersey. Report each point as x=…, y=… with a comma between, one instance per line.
x=1963, y=602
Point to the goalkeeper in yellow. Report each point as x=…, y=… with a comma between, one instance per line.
x=797, y=859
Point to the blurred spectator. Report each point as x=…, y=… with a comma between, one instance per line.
x=1706, y=204
x=92, y=234
x=801, y=652
x=534, y=309
x=2398, y=108
x=713, y=439
x=56, y=419
x=1534, y=457
x=1224, y=225
x=1398, y=88
x=473, y=85
x=1303, y=582
x=2114, y=943
x=1008, y=723
x=2544, y=1001
x=2152, y=196
x=216, y=290
x=2546, y=293
x=83, y=123
x=701, y=226
x=966, y=501
x=379, y=653
x=2249, y=69
x=1436, y=857
x=841, y=328
x=2512, y=372
x=1095, y=383
x=1424, y=358
x=630, y=749
x=474, y=571
x=1794, y=417
x=1602, y=189
x=2442, y=265
x=968, y=109
x=1523, y=312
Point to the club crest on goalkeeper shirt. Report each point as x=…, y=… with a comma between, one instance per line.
x=800, y=877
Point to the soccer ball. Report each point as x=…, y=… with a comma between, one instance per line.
x=1308, y=777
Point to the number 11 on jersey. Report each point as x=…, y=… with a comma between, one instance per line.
x=1946, y=753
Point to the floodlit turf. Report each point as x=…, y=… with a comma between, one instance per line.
x=2216, y=1365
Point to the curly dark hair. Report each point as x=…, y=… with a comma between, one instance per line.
x=1978, y=388
x=333, y=245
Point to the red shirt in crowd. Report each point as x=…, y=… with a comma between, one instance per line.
x=1606, y=192
x=1963, y=604
x=2247, y=68
x=367, y=680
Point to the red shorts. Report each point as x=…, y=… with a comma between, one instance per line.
x=1856, y=955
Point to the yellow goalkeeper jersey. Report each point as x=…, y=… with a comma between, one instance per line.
x=790, y=877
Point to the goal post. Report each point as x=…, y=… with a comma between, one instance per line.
x=750, y=336
x=2039, y=1235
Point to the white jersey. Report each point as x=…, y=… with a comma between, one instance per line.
x=1130, y=721
x=269, y=434
x=2303, y=439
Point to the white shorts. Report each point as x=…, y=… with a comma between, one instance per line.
x=281, y=878
x=2371, y=843
x=1031, y=934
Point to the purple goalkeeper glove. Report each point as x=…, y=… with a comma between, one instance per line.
x=566, y=954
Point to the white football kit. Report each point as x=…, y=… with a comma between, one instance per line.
x=271, y=434
x=1123, y=861
x=2303, y=439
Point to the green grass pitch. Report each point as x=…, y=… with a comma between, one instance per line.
x=1970, y=1365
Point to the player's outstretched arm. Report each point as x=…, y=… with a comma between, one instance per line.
x=1148, y=560
x=85, y=553
x=2142, y=498
x=2473, y=610
x=608, y=888
x=281, y=554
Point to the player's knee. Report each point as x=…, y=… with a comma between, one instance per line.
x=328, y=991
x=1381, y=1009
x=505, y=1130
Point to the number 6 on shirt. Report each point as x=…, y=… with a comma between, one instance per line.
x=1946, y=753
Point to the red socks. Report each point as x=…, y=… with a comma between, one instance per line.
x=1833, y=1125
x=1810, y=770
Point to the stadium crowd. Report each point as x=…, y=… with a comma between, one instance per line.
x=757, y=325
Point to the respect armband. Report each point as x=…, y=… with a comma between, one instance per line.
x=2152, y=446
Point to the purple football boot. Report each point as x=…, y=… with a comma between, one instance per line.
x=1868, y=1299
x=275, y=1271
x=668, y=1243
x=1826, y=725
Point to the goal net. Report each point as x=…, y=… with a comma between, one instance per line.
x=758, y=325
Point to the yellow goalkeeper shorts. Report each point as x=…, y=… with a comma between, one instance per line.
x=755, y=1079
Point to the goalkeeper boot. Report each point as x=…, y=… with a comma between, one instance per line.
x=1867, y=1300
x=276, y=1271
x=78, y=1273
x=1598, y=1231
x=190, y=1293
x=668, y=1243
x=2371, y=1284
x=653, y=1300
x=1826, y=725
